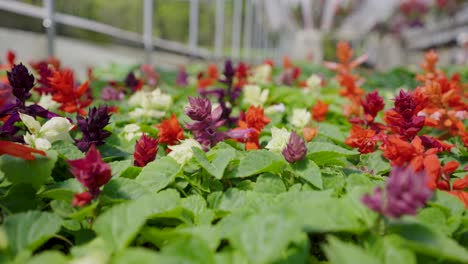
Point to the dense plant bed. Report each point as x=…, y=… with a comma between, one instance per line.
x=247, y=164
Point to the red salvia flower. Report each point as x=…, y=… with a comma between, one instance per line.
x=363, y=139
x=319, y=111
x=350, y=87
x=82, y=199
x=91, y=171
x=170, y=131
x=345, y=53
x=73, y=100
x=397, y=150
x=256, y=120
x=18, y=150
x=440, y=179
x=403, y=119
x=145, y=150
x=45, y=74
x=372, y=105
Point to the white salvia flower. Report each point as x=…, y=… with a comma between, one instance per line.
x=150, y=104
x=261, y=74
x=131, y=131
x=313, y=81
x=32, y=124
x=277, y=108
x=300, y=118
x=253, y=95
x=436, y=115
x=137, y=98
x=461, y=114
x=160, y=100
x=55, y=129
x=36, y=142
x=279, y=139
x=183, y=151
x=47, y=103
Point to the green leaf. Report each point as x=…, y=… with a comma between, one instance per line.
x=138, y=255
x=324, y=152
x=190, y=249
x=118, y=167
x=119, y=225
x=258, y=161
x=162, y=237
x=67, y=150
x=374, y=163
x=331, y=131
x=264, y=237
x=309, y=171
x=29, y=230
x=20, y=197
x=158, y=174
x=339, y=252
x=220, y=159
x=55, y=257
x=447, y=202
x=35, y=172
x=64, y=190
x=197, y=205
x=122, y=189
x=269, y=183
x=429, y=242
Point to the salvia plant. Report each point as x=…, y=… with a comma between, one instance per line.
x=245, y=163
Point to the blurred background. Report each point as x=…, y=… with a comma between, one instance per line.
x=170, y=33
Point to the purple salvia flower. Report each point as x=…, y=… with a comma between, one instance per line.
x=296, y=148
x=406, y=191
x=92, y=127
x=131, y=81
x=182, y=77
x=207, y=123
x=199, y=108
x=21, y=81
x=111, y=94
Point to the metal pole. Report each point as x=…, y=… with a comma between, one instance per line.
x=219, y=28
x=236, y=29
x=193, y=27
x=148, y=11
x=248, y=24
x=49, y=24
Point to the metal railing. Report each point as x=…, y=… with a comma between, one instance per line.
x=50, y=18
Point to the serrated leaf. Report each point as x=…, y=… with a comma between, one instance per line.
x=55, y=257
x=258, y=161
x=220, y=160
x=325, y=153
x=29, y=230
x=119, y=225
x=331, y=131
x=68, y=150
x=263, y=237
x=429, y=242
x=34, y=172
x=64, y=190
x=158, y=174
x=309, y=171
x=374, y=163
x=122, y=189
x=118, y=167
x=339, y=252
x=269, y=183
x=138, y=255
x=20, y=197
